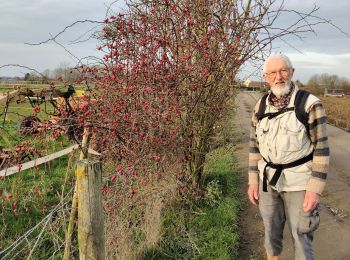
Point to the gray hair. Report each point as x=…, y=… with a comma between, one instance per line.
x=275, y=56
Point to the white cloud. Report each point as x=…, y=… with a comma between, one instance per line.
x=310, y=63
x=34, y=21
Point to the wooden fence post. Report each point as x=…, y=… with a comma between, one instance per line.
x=69, y=234
x=90, y=211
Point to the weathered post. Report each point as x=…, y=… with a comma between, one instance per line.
x=69, y=233
x=8, y=99
x=90, y=211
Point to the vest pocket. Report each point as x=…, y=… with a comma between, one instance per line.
x=262, y=130
x=291, y=139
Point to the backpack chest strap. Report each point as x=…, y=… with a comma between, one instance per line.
x=274, y=114
x=299, y=107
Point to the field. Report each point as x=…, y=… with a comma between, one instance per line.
x=337, y=111
x=8, y=87
x=17, y=111
x=34, y=202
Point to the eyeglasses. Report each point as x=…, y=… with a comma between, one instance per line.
x=273, y=74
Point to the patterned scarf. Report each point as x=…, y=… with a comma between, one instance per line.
x=281, y=102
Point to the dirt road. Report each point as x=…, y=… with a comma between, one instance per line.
x=332, y=239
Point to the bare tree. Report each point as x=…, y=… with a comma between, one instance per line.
x=318, y=82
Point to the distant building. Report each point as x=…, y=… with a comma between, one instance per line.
x=255, y=85
x=334, y=92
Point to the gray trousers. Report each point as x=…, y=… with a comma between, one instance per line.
x=278, y=207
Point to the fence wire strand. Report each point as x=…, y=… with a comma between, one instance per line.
x=11, y=253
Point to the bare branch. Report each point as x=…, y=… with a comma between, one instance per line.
x=321, y=19
x=64, y=30
x=22, y=66
x=79, y=39
x=61, y=45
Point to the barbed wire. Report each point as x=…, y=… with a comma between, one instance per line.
x=44, y=222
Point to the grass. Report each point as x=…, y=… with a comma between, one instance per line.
x=207, y=228
x=28, y=196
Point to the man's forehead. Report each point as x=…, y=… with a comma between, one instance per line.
x=276, y=62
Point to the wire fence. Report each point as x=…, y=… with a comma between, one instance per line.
x=43, y=232
x=36, y=201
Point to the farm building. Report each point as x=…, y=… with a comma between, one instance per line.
x=334, y=92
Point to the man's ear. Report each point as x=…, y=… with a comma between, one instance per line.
x=292, y=73
x=264, y=75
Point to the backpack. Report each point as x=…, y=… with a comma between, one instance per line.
x=299, y=107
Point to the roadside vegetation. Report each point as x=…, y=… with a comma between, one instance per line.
x=206, y=228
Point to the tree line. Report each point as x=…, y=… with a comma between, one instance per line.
x=62, y=72
x=318, y=82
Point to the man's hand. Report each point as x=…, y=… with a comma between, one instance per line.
x=253, y=193
x=310, y=201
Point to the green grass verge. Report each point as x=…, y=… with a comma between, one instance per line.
x=207, y=228
x=28, y=196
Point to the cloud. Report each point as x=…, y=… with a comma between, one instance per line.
x=311, y=63
x=37, y=20
x=327, y=49
x=330, y=25
x=23, y=21
x=33, y=21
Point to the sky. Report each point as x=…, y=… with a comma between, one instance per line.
x=33, y=21
x=326, y=50
x=23, y=21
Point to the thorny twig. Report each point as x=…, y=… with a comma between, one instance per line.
x=64, y=30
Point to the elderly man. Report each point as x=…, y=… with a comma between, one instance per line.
x=288, y=159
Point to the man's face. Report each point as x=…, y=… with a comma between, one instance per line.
x=278, y=75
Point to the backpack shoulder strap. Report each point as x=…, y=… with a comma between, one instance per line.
x=262, y=107
x=299, y=104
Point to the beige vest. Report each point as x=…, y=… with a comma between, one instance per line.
x=282, y=140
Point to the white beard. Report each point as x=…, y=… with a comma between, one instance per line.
x=280, y=91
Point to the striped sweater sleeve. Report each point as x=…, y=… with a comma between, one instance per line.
x=254, y=153
x=319, y=138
